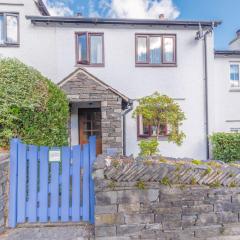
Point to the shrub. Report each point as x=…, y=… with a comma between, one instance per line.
x=148, y=147
x=226, y=146
x=31, y=106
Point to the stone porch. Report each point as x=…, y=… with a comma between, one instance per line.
x=85, y=90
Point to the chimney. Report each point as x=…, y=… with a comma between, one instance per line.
x=238, y=33
x=79, y=14
x=161, y=16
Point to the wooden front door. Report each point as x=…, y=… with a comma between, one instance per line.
x=90, y=125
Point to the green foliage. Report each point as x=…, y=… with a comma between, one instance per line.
x=193, y=181
x=197, y=162
x=112, y=185
x=148, y=147
x=215, y=184
x=31, y=106
x=233, y=184
x=226, y=146
x=206, y=171
x=160, y=109
x=165, y=181
x=140, y=185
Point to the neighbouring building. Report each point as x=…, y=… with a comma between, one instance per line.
x=105, y=65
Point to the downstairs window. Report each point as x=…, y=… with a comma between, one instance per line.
x=147, y=131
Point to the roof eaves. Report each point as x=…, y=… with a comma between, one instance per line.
x=119, y=21
x=227, y=53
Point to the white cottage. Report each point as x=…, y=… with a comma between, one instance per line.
x=105, y=65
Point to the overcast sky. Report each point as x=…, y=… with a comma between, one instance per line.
x=225, y=10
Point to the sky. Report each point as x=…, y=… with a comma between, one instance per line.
x=225, y=10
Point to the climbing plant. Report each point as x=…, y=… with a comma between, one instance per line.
x=160, y=109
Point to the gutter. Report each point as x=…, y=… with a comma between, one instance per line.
x=119, y=21
x=129, y=109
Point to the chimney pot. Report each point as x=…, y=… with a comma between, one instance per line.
x=161, y=16
x=79, y=14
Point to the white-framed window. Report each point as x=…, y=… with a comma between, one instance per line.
x=9, y=29
x=234, y=75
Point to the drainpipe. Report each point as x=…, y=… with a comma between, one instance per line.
x=129, y=109
x=201, y=35
x=206, y=94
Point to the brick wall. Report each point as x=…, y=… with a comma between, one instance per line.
x=151, y=210
x=4, y=165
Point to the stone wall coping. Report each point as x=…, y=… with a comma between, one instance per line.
x=166, y=171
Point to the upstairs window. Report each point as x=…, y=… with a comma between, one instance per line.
x=234, y=75
x=90, y=48
x=9, y=29
x=155, y=50
x=146, y=131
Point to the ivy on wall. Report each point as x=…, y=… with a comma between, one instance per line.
x=226, y=146
x=31, y=106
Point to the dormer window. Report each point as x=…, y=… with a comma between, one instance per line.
x=90, y=49
x=155, y=50
x=9, y=29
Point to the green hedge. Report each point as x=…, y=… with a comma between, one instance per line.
x=31, y=106
x=226, y=146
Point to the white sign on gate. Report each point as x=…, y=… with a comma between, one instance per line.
x=54, y=155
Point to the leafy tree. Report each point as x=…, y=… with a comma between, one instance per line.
x=31, y=106
x=160, y=109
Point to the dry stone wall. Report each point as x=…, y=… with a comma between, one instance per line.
x=135, y=200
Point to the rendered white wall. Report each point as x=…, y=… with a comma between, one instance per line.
x=52, y=51
x=227, y=102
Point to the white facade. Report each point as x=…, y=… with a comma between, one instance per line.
x=51, y=50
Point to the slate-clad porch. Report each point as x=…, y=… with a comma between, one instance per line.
x=86, y=92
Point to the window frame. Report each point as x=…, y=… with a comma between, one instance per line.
x=149, y=130
x=88, y=36
x=230, y=80
x=5, y=42
x=163, y=63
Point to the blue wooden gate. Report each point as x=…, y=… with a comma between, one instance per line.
x=43, y=191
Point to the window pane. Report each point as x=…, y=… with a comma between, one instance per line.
x=143, y=129
x=155, y=50
x=1, y=30
x=12, y=29
x=82, y=48
x=96, y=46
x=142, y=49
x=234, y=75
x=168, y=50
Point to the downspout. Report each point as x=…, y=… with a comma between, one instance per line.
x=129, y=109
x=206, y=93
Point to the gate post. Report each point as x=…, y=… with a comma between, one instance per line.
x=92, y=156
x=12, y=220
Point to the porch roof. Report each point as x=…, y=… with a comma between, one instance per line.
x=97, y=80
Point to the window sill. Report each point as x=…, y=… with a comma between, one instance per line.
x=237, y=89
x=10, y=45
x=160, y=138
x=155, y=65
x=89, y=65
